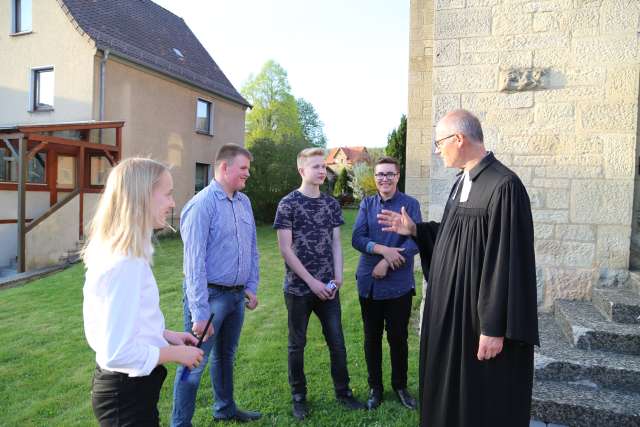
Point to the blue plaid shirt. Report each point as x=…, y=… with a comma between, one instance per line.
x=220, y=245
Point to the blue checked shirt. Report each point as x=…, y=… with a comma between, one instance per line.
x=220, y=245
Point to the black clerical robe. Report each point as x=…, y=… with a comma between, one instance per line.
x=481, y=280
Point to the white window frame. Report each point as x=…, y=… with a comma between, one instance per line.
x=14, y=21
x=211, y=110
x=32, y=107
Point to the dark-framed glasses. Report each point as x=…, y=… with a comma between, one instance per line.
x=388, y=176
x=438, y=142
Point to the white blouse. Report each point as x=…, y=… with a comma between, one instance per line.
x=122, y=318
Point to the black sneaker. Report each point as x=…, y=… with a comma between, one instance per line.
x=350, y=402
x=241, y=416
x=375, y=398
x=300, y=408
x=406, y=399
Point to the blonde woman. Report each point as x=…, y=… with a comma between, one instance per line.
x=122, y=318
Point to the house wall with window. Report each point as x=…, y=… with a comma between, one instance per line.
x=53, y=43
x=161, y=116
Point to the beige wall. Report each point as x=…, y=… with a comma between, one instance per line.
x=160, y=117
x=53, y=41
x=572, y=139
x=37, y=203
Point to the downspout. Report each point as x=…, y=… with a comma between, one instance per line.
x=103, y=63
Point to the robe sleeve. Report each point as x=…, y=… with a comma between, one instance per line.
x=507, y=304
x=426, y=233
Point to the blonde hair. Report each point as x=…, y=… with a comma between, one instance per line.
x=309, y=152
x=123, y=224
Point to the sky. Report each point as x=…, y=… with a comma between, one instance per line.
x=349, y=58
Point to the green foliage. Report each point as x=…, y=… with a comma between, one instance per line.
x=311, y=124
x=363, y=183
x=341, y=186
x=274, y=174
x=375, y=153
x=275, y=111
x=397, y=147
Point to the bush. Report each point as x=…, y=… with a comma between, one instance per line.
x=363, y=182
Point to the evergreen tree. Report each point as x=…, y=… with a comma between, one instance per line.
x=397, y=146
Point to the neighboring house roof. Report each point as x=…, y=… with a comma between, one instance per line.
x=147, y=34
x=354, y=154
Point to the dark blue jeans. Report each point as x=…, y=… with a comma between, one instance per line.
x=299, y=310
x=228, y=307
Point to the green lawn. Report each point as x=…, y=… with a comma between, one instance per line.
x=46, y=364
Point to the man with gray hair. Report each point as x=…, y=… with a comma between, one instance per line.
x=479, y=323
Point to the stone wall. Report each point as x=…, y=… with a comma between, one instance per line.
x=555, y=84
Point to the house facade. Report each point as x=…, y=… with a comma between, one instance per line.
x=71, y=61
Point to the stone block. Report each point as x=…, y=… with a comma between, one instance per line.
x=474, y=58
x=579, y=93
x=449, y=4
x=446, y=52
x=622, y=84
x=482, y=3
x=557, y=199
x=539, y=145
x=585, y=75
x=550, y=216
x=619, y=156
x=522, y=79
x=613, y=246
x=443, y=104
x=556, y=116
x=464, y=79
x=551, y=58
x=567, y=283
x=618, y=16
x=486, y=102
x=543, y=231
x=439, y=191
x=556, y=253
x=524, y=173
x=510, y=118
x=601, y=202
x=511, y=59
x=504, y=24
x=574, y=232
x=619, y=117
x=574, y=171
x=462, y=23
x=533, y=160
x=479, y=44
x=551, y=183
x=535, y=41
x=615, y=49
x=536, y=197
x=589, y=144
x=579, y=160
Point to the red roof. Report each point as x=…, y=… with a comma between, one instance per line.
x=354, y=154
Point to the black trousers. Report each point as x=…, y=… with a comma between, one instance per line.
x=119, y=400
x=299, y=310
x=392, y=315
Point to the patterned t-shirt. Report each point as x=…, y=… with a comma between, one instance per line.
x=311, y=221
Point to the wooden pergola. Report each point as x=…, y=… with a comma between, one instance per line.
x=25, y=142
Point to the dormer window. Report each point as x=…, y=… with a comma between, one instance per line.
x=21, y=17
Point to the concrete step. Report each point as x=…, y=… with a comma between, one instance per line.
x=556, y=360
x=620, y=305
x=578, y=405
x=587, y=329
x=634, y=281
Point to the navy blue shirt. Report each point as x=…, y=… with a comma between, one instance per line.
x=367, y=231
x=311, y=221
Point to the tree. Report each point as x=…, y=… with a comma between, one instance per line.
x=341, y=187
x=396, y=147
x=274, y=114
x=363, y=182
x=312, y=126
x=273, y=175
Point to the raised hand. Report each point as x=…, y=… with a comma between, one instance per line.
x=395, y=222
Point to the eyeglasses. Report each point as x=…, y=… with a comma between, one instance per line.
x=388, y=176
x=438, y=142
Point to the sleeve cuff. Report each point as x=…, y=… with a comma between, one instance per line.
x=370, y=247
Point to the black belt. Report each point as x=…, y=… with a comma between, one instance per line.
x=226, y=288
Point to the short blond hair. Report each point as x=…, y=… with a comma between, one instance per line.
x=123, y=224
x=309, y=152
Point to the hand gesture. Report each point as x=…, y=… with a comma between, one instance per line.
x=198, y=329
x=393, y=257
x=381, y=269
x=180, y=338
x=252, y=299
x=395, y=222
x=489, y=347
x=189, y=356
x=318, y=288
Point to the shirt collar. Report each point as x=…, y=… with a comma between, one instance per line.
x=219, y=191
x=393, y=198
x=480, y=167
